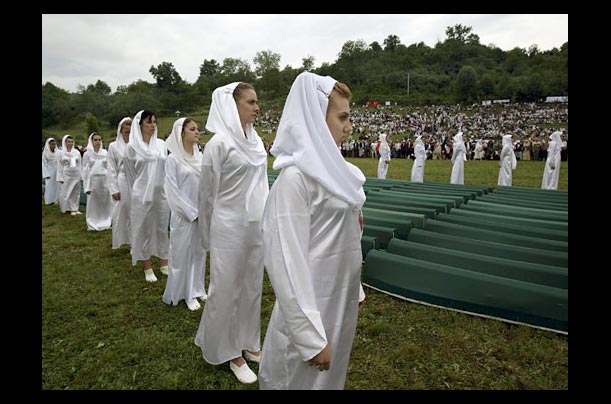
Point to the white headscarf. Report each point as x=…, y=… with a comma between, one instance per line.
x=97, y=157
x=224, y=120
x=74, y=153
x=304, y=140
x=120, y=144
x=47, y=153
x=555, y=137
x=383, y=143
x=419, y=143
x=176, y=147
x=507, y=141
x=149, y=151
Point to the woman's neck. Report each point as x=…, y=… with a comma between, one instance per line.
x=96, y=149
x=146, y=138
x=125, y=138
x=188, y=146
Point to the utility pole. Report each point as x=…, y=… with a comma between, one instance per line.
x=408, y=84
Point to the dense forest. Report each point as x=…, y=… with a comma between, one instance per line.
x=457, y=70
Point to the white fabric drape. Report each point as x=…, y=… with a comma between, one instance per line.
x=419, y=162
x=187, y=262
x=117, y=183
x=458, y=160
x=312, y=245
x=551, y=172
x=233, y=188
x=69, y=172
x=384, y=156
x=304, y=140
x=98, y=213
x=49, y=173
x=507, y=162
x=149, y=211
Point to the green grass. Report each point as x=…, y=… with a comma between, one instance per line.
x=104, y=327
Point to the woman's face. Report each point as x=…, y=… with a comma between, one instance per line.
x=125, y=128
x=52, y=145
x=69, y=144
x=148, y=125
x=248, y=107
x=96, y=140
x=190, y=133
x=338, y=118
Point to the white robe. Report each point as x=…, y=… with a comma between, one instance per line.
x=458, y=164
x=187, y=262
x=384, y=156
x=313, y=259
x=150, y=220
x=69, y=172
x=115, y=172
x=231, y=321
x=418, y=167
x=49, y=173
x=507, y=163
x=98, y=213
x=551, y=176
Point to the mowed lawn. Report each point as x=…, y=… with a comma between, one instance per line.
x=104, y=327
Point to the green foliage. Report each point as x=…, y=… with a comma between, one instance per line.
x=91, y=123
x=458, y=69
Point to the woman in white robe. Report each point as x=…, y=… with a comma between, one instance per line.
x=384, y=160
x=187, y=262
x=507, y=162
x=50, y=155
x=312, y=228
x=69, y=176
x=117, y=185
x=458, y=160
x=98, y=213
x=418, y=167
x=551, y=172
x=149, y=211
x=232, y=193
x=479, y=150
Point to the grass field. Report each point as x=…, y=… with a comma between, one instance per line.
x=104, y=327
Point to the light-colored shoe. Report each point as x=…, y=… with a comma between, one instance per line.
x=73, y=213
x=203, y=298
x=193, y=305
x=149, y=275
x=243, y=373
x=251, y=357
x=78, y=212
x=164, y=270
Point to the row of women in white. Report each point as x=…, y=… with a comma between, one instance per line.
x=507, y=161
x=306, y=230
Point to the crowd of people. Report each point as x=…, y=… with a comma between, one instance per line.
x=305, y=231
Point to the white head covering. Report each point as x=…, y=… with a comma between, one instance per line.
x=73, y=154
x=419, y=141
x=150, y=151
x=556, y=137
x=457, y=137
x=97, y=157
x=224, y=120
x=120, y=142
x=47, y=153
x=383, y=143
x=304, y=140
x=176, y=147
x=507, y=142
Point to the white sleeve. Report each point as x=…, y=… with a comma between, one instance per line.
x=180, y=204
x=85, y=173
x=112, y=170
x=60, y=169
x=45, y=169
x=286, y=239
x=209, y=180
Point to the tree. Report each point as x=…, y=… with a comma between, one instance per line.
x=265, y=61
x=166, y=76
x=462, y=34
x=391, y=43
x=56, y=105
x=308, y=63
x=236, y=69
x=91, y=123
x=466, y=84
x=209, y=68
x=351, y=48
x=375, y=46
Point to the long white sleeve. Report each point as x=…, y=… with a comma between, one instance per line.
x=179, y=202
x=86, y=172
x=213, y=157
x=286, y=235
x=112, y=171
